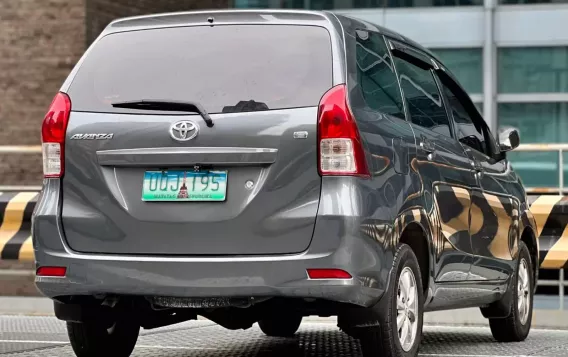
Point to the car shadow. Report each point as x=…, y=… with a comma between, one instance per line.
x=317, y=341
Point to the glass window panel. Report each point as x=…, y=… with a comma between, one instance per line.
x=532, y=1
x=235, y=64
x=259, y=4
x=479, y=107
x=537, y=123
x=350, y=4
x=533, y=70
x=537, y=169
x=423, y=3
x=278, y=4
x=423, y=98
x=376, y=76
x=362, y=4
x=468, y=132
x=288, y=4
x=466, y=64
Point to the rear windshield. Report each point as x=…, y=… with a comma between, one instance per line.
x=223, y=68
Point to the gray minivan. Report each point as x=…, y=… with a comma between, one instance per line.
x=259, y=166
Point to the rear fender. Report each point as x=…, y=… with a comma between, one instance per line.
x=417, y=216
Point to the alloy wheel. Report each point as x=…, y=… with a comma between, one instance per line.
x=523, y=292
x=407, y=309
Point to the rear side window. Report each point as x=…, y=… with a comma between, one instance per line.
x=222, y=68
x=376, y=75
x=424, y=101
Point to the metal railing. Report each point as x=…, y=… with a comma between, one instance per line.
x=559, y=148
x=20, y=149
x=560, y=283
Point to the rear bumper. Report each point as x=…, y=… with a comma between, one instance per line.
x=337, y=244
x=202, y=278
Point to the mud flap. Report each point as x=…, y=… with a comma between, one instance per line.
x=501, y=308
x=356, y=321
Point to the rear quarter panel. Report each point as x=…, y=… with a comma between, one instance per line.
x=382, y=206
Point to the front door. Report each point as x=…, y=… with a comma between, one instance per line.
x=495, y=218
x=494, y=212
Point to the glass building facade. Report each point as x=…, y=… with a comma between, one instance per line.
x=511, y=55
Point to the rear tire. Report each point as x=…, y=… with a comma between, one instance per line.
x=516, y=326
x=92, y=339
x=402, y=305
x=282, y=326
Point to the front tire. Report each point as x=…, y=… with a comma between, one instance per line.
x=516, y=326
x=400, y=312
x=92, y=339
x=281, y=326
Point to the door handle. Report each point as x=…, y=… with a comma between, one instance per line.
x=426, y=145
x=478, y=168
x=428, y=148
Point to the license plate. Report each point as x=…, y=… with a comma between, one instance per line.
x=179, y=185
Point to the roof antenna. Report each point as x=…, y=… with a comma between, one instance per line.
x=210, y=20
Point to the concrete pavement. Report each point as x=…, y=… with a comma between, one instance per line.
x=38, y=336
x=542, y=318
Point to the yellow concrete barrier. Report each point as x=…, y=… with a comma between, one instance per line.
x=551, y=215
x=549, y=211
x=16, y=210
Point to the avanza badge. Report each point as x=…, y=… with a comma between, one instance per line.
x=92, y=136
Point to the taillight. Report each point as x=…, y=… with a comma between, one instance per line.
x=340, y=147
x=53, y=135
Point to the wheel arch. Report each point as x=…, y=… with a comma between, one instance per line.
x=415, y=234
x=528, y=237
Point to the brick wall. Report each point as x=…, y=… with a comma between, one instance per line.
x=40, y=41
x=101, y=12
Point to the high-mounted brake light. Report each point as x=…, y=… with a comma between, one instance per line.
x=340, y=147
x=53, y=131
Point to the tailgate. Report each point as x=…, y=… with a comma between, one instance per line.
x=163, y=182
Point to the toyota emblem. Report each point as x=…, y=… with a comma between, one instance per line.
x=183, y=130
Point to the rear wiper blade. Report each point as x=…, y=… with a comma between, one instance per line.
x=167, y=105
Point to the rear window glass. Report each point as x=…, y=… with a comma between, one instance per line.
x=222, y=68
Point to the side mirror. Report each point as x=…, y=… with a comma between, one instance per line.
x=509, y=139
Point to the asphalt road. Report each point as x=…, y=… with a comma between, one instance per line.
x=26, y=336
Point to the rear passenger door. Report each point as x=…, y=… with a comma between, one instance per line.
x=444, y=169
x=494, y=209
